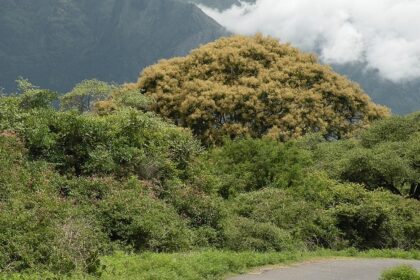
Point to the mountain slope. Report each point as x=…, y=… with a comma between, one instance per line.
x=58, y=43
x=218, y=4
x=401, y=97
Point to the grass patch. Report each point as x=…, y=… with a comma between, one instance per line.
x=403, y=272
x=218, y=264
x=211, y=264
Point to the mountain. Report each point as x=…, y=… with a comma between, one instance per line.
x=57, y=43
x=218, y=4
x=401, y=97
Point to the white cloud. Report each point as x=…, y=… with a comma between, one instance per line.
x=385, y=34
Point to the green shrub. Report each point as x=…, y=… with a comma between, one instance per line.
x=40, y=229
x=385, y=156
x=324, y=213
x=242, y=234
x=249, y=165
x=376, y=219
x=303, y=220
x=137, y=219
x=395, y=129
x=403, y=272
x=86, y=191
x=78, y=245
x=121, y=144
x=203, y=212
x=84, y=95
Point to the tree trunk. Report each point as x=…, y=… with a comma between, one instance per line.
x=415, y=190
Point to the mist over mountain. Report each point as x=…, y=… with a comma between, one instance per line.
x=59, y=43
x=370, y=42
x=402, y=97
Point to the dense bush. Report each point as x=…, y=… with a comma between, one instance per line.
x=384, y=156
x=255, y=86
x=305, y=221
x=403, y=272
x=377, y=220
x=324, y=213
x=40, y=230
x=244, y=234
x=249, y=165
x=64, y=222
x=121, y=97
x=74, y=186
x=122, y=144
x=143, y=222
x=203, y=212
x=15, y=107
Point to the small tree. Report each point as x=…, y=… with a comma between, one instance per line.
x=85, y=94
x=32, y=96
x=385, y=156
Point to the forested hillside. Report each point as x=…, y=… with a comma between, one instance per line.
x=59, y=43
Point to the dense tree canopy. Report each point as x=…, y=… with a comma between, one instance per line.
x=385, y=156
x=256, y=86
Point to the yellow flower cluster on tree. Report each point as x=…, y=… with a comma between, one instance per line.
x=255, y=87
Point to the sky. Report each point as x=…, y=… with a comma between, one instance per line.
x=383, y=34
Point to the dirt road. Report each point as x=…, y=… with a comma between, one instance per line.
x=336, y=269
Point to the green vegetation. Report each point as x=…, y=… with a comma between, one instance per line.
x=92, y=178
x=403, y=272
x=385, y=156
x=207, y=264
x=85, y=94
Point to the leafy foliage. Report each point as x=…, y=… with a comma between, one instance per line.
x=75, y=186
x=143, y=222
x=249, y=165
x=403, y=272
x=385, y=156
x=322, y=213
x=123, y=144
x=61, y=184
x=255, y=86
x=39, y=229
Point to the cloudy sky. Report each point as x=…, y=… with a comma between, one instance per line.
x=384, y=34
